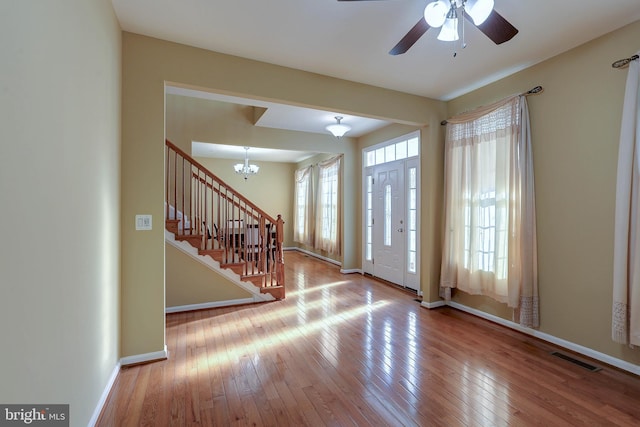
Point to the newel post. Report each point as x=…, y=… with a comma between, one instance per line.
x=279, y=251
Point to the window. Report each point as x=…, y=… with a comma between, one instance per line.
x=369, y=218
x=387, y=215
x=397, y=149
x=412, y=219
x=302, y=206
x=327, y=219
x=489, y=240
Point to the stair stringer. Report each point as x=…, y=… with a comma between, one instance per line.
x=214, y=265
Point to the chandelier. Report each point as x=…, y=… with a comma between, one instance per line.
x=338, y=129
x=245, y=168
x=444, y=13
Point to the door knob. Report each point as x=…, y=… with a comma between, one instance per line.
x=400, y=230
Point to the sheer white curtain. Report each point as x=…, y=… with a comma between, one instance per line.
x=327, y=230
x=626, y=249
x=303, y=209
x=490, y=227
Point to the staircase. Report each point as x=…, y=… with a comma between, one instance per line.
x=221, y=223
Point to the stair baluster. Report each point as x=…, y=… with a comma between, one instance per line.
x=220, y=222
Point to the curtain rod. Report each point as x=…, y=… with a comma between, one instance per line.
x=623, y=62
x=536, y=90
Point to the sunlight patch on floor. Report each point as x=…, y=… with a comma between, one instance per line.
x=291, y=311
x=317, y=288
x=286, y=336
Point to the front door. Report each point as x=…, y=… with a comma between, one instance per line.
x=389, y=240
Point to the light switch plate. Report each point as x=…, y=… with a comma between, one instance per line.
x=143, y=222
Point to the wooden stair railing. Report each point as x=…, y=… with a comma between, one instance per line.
x=220, y=222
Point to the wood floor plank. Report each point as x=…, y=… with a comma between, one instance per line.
x=121, y=391
x=345, y=350
x=134, y=413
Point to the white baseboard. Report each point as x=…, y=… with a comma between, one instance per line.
x=324, y=258
x=350, y=270
x=104, y=396
x=205, y=305
x=332, y=261
x=585, y=351
x=315, y=255
x=146, y=357
x=433, y=304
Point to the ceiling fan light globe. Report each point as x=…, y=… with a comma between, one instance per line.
x=449, y=31
x=435, y=13
x=479, y=10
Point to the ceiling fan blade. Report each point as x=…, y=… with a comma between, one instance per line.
x=410, y=38
x=498, y=29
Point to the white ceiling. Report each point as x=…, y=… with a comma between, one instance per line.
x=351, y=40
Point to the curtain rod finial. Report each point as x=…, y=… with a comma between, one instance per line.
x=535, y=90
x=621, y=63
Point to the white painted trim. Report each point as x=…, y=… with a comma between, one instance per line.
x=104, y=395
x=409, y=280
x=431, y=305
x=214, y=265
x=315, y=255
x=585, y=351
x=332, y=261
x=146, y=357
x=212, y=304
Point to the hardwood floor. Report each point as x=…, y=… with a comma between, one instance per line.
x=346, y=350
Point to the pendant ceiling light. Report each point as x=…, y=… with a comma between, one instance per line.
x=338, y=129
x=245, y=168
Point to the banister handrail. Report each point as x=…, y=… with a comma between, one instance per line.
x=220, y=181
x=215, y=218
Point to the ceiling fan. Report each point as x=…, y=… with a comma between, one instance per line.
x=445, y=13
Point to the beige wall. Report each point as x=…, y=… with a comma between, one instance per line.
x=575, y=130
x=147, y=65
x=270, y=190
x=60, y=264
x=191, y=282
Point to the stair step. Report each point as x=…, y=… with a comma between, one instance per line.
x=216, y=254
x=172, y=225
x=236, y=267
x=194, y=240
x=276, y=291
x=256, y=279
